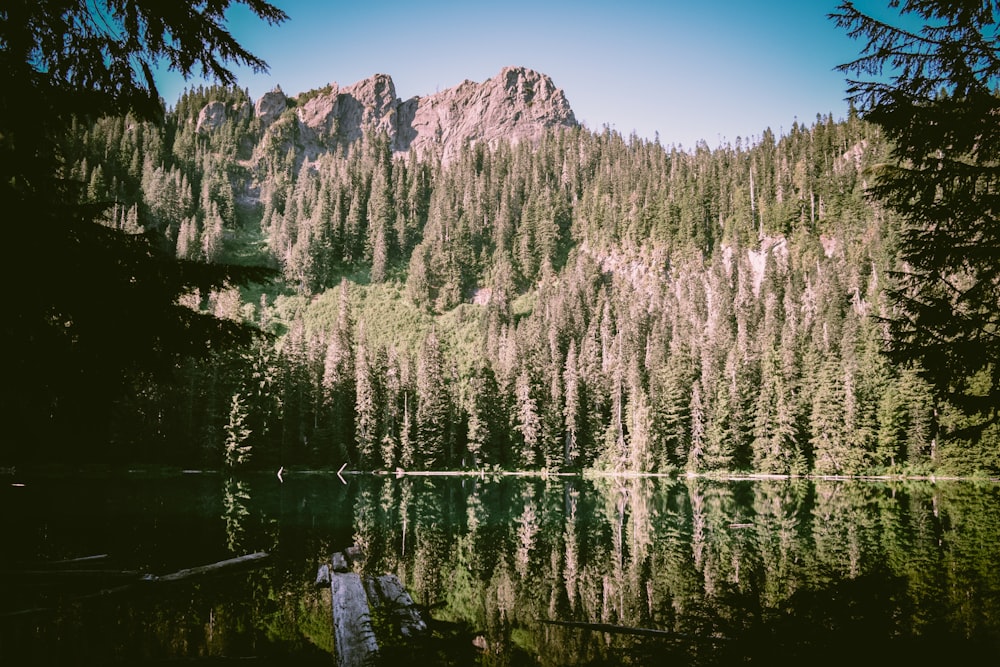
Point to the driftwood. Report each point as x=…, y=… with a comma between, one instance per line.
x=131, y=577
x=74, y=561
x=338, y=563
x=354, y=635
x=75, y=574
x=208, y=569
x=626, y=630
x=323, y=575
x=80, y=573
x=353, y=599
x=401, y=606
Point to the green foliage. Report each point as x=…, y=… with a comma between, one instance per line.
x=102, y=308
x=237, y=449
x=584, y=302
x=932, y=91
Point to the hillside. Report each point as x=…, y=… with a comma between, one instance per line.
x=472, y=280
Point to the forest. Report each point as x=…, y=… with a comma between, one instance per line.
x=589, y=302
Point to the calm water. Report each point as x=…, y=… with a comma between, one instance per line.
x=514, y=570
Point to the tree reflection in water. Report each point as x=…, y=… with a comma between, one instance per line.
x=570, y=570
x=526, y=570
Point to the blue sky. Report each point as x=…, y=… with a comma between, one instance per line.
x=689, y=70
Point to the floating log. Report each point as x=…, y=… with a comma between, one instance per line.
x=132, y=578
x=338, y=563
x=208, y=569
x=74, y=574
x=82, y=559
x=354, y=636
x=624, y=629
x=323, y=575
x=401, y=606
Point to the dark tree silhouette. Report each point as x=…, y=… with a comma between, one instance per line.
x=88, y=304
x=933, y=91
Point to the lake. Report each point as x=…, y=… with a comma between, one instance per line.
x=509, y=570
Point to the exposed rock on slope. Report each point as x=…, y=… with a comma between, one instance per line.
x=270, y=106
x=518, y=104
x=212, y=116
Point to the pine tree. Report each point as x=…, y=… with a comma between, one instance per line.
x=938, y=107
x=696, y=454
x=571, y=407
x=893, y=420
x=527, y=421
x=365, y=418
x=774, y=446
x=826, y=421
x=432, y=406
x=339, y=375
x=237, y=449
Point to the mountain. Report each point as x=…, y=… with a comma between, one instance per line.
x=576, y=300
x=517, y=104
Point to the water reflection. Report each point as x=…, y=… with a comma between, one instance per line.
x=555, y=571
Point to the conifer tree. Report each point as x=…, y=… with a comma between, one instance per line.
x=339, y=374
x=527, y=421
x=432, y=406
x=237, y=449
x=571, y=407
x=826, y=421
x=365, y=408
x=68, y=355
x=932, y=91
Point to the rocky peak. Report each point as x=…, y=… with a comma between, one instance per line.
x=270, y=106
x=517, y=104
x=346, y=113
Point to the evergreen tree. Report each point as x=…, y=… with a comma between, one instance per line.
x=572, y=407
x=237, y=449
x=826, y=421
x=365, y=418
x=938, y=106
x=68, y=353
x=527, y=421
x=432, y=406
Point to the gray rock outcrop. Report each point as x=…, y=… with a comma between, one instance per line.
x=211, y=116
x=516, y=105
x=270, y=106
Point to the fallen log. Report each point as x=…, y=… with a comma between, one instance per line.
x=627, y=630
x=401, y=606
x=354, y=636
x=208, y=569
x=323, y=575
x=338, y=563
x=132, y=579
x=81, y=559
x=73, y=574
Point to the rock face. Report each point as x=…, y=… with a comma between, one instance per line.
x=212, y=115
x=518, y=104
x=270, y=106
